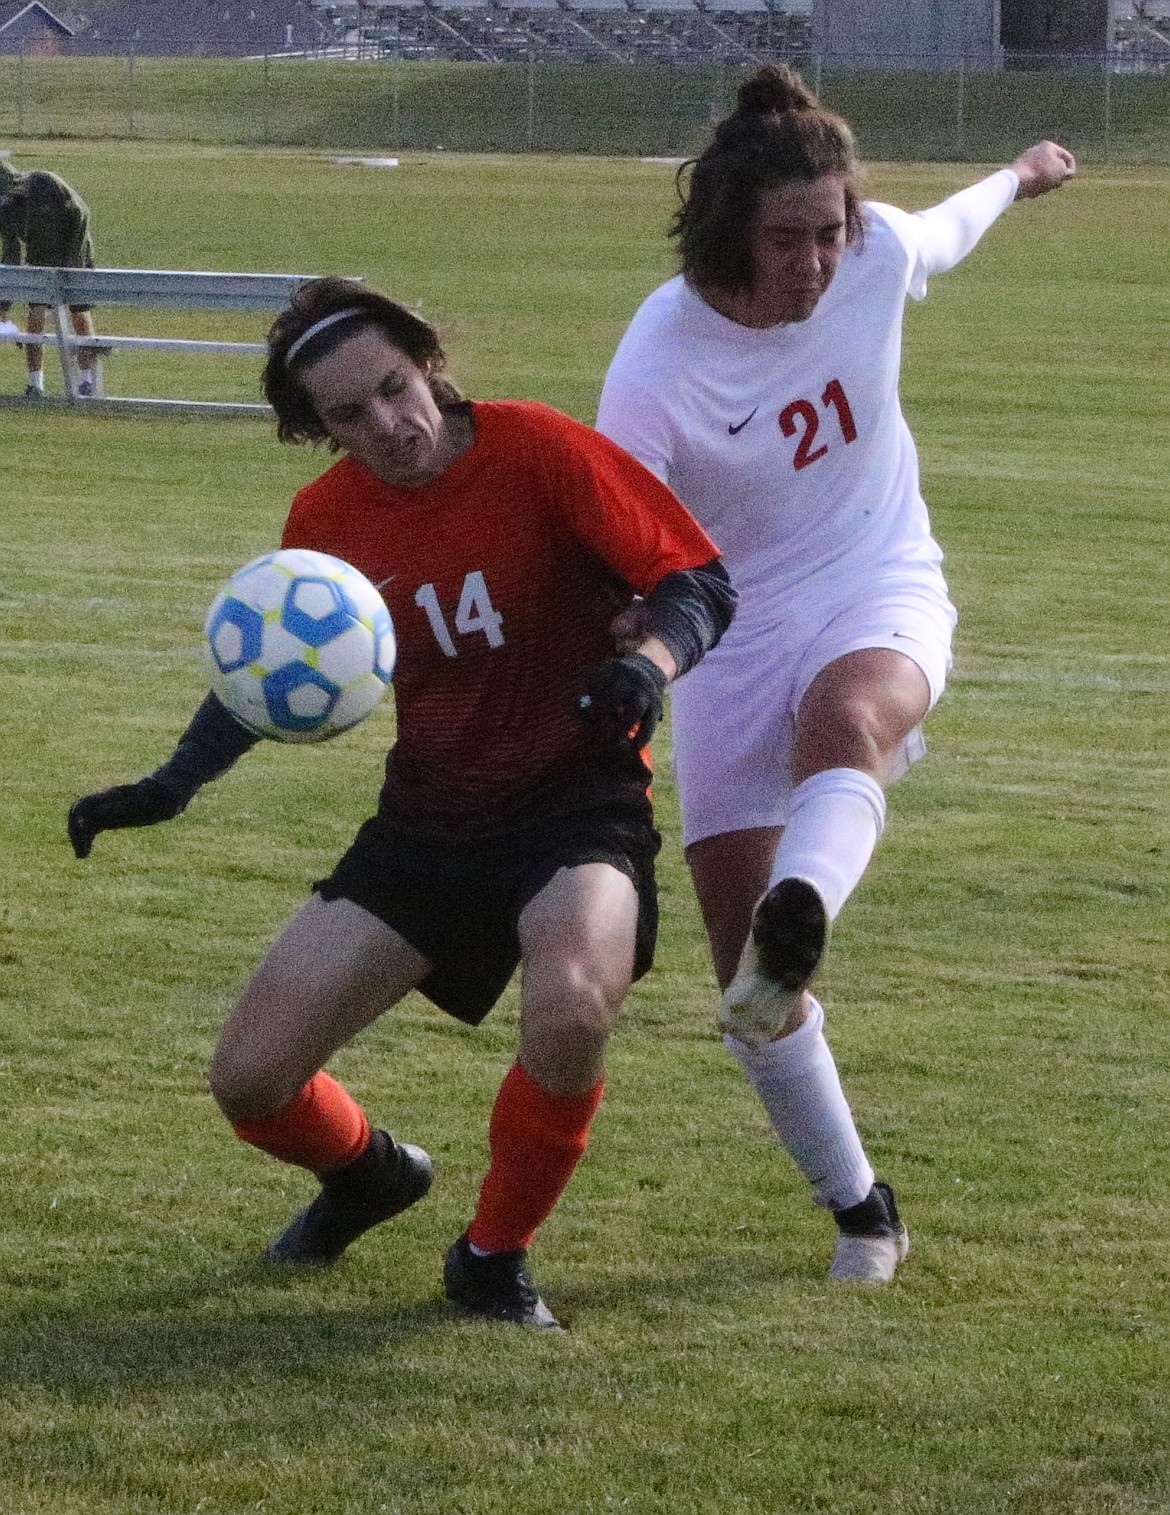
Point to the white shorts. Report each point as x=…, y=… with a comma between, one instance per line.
x=734, y=715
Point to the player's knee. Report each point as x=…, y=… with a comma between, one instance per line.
x=573, y=1024
x=863, y=720
x=584, y=1020
x=233, y=1090
x=854, y=732
x=249, y=1086
x=586, y=989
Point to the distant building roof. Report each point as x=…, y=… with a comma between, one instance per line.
x=196, y=28
x=33, y=10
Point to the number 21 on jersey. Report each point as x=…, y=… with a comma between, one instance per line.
x=801, y=416
x=474, y=613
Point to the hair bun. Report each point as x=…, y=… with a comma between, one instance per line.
x=771, y=90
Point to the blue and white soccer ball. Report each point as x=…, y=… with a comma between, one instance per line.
x=300, y=646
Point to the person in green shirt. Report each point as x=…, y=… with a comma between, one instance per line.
x=45, y=221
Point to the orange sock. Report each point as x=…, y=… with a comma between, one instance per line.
x=322, y=1128
x=537, y=1140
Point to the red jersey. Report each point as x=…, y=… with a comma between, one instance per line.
x=503, y=577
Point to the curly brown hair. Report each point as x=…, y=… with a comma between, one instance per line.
x=296, y=417
x=777, y=133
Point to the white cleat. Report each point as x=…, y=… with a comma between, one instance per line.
x=871, y=1240
x=755, y=1009
x=790, y=931
x=868, y=1259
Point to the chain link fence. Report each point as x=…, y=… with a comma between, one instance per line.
x=1098, y=106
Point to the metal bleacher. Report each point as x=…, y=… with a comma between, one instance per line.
x=692, y=32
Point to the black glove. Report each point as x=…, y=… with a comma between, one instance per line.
x=623, y=698
x=141, y=804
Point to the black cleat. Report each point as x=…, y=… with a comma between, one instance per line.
x=871, y=1239
x=386, y=1179
x=791, y=931
x=498, y=1286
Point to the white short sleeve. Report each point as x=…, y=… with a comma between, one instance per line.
x=632, y=415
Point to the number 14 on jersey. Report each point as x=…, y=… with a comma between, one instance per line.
x=475, y=612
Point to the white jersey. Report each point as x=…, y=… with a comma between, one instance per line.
x=788, y=444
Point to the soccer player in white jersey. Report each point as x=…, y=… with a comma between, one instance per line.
x=761, y=384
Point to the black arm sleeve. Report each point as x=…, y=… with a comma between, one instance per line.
x=689, y=610
x=210, y=745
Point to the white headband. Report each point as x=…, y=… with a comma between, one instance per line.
x=322, y=325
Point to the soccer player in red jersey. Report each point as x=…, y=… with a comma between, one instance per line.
x=514, y=825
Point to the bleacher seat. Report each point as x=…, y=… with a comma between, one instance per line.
x=693, y=33
x=594, y=6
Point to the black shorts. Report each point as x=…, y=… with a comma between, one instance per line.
x=459, y=902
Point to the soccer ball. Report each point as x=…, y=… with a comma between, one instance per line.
x=300, y=646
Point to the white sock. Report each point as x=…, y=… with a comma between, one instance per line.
x=797, y=1080
x=833, y=823
x=37, y=380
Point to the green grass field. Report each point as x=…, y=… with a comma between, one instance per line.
x=549, y=107
x=997, y=991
